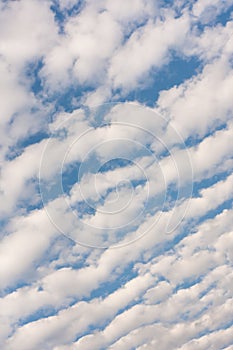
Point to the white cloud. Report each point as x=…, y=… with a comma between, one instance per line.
x=201, y=103
x=67, y=4
x=78, y=52
x=147, y=47
x=163, y=291
x=15, y=176
x=23, y=247
x=220, y=339
x=39, y=333
x=207, y=10
x=19, y=43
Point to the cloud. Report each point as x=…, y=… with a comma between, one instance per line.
x=16, y=255
x=194, y=106
x=168, y=288
x=206, y=11
x=146, y=48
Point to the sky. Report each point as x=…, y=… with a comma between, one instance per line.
x=116, y=174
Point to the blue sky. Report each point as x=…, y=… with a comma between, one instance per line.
x=116, y=139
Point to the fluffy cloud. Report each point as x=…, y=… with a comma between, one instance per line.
x=172, y=288
x=146, y=48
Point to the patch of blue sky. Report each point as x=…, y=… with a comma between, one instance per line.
x=194, y=139
x=75, y=265
x=115, y=164
x=136, y=183
x=134, y=26
x=186, y=229
x=100, y=326
x=93, y=163
x=83, y=209
x=90, y=165
x=76, y=8
x=207, y=289
x=102, y=292
x=167, y=247
x=60, y=100
x=127, y=274
x=157, y=203
x=214, y=18
x=13, y=153
x=96, y=114
x=92, y=328
x=70, y=176
x=51, y=189
x=121, y=187
x=41, y=313
x=32, y=71
x=178, y=70
x=67, y=98
x=188, y=283
x=56, y=254
x=12, y=288
x=174, y=73
x=59, y=16
x=4, y=221
x=208, y=182
x=177, y=6
x=227, y=205
x=225, y=16
x=19, y=147
x=206, y=331
x=62, y=14
x=25, y=206
x=31, y=138
x=169, y=196
x=226, y=325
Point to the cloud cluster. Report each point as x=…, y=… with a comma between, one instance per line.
x=150, y=185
